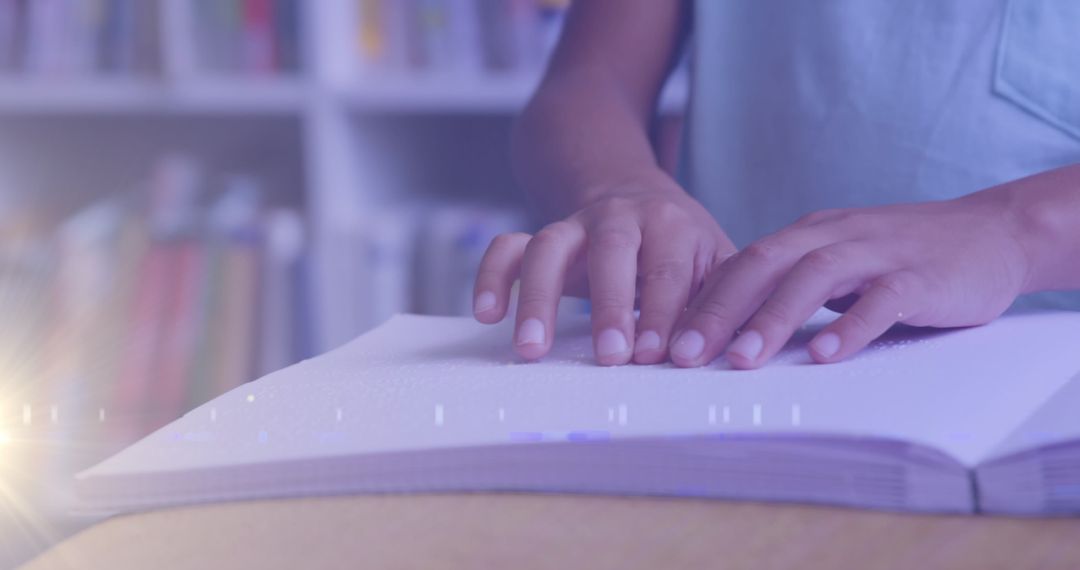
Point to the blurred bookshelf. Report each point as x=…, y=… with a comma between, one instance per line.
x=196, y=192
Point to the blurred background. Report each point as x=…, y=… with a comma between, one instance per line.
x=194, y=193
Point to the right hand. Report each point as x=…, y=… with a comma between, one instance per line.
x=647, y=242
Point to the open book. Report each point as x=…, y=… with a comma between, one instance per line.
x=981, y=419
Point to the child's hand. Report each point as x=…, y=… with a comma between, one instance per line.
x=945, y=264
x=660, y=241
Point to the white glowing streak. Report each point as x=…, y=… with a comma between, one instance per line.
x=712, y=414
x=757, y=414
x=796, y=415
x=622, y=414
x=438, y=414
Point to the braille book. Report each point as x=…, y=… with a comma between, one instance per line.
x=967, y=420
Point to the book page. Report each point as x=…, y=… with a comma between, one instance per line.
x=1056, y=421
x=438, y=382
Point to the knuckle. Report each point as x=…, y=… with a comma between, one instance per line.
x=609, y=302
x=830, y=214
x=822, y=261
x=530, y=297
x=897, y=285
x=553, y=233
x=610, y=238
x=766, y=252
x=717, y=312
x=507, y=240
x=774, y=313
x=612, y=206
x=859, y=323
x=857, y=219
x=815, y=217
x=666, y=272
x=488, y=275
x=666, y=213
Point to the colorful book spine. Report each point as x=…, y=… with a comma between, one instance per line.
x=258, y=37
x=493, y=36
x=177, y=353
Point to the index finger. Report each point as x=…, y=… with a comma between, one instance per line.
x=543, y=274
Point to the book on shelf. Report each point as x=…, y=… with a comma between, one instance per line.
x=255, y=38
x=157, y=302
x=968, y=420
x=411, y=257
x=68, y=38
x=479, y=36
x=72, y=38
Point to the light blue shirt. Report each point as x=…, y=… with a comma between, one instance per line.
x=803, y=105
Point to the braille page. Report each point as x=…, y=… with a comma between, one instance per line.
x=1056, y=421
x=436, y=382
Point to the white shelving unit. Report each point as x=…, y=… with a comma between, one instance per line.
x=334, y=139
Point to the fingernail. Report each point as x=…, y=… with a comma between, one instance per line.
x=611, y=342
x=747, y=345
x=689, y=345
x=647, y=340
x=531, y=331
x=826, y=345
x=484, y=302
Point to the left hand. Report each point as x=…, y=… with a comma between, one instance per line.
x=943, y=264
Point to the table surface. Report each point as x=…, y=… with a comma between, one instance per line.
x=558, y=531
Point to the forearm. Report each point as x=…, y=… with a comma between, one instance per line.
x=579, y=139
x=1046, y=208
x=586, y=132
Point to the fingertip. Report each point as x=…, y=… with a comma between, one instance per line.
x=825, y=347
x=489, y=318
x=745, y=352
x=530, y=339
x=740, y=362
x=649, y=348
x=530, y=351
x=612, y=348
x=616, y=360
x=487, y=309
x=687, y=348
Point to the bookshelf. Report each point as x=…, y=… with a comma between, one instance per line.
x=380, y=158
x=339, y=137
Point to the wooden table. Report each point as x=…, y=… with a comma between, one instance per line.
x=558, y=531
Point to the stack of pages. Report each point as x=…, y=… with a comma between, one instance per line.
x=980, y=419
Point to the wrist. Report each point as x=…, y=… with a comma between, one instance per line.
x=646, y=181
x=1044, y=211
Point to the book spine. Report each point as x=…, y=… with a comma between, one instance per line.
x=178, y=342
x=372, y=45
x=143, y=334
x=240, y=294
x=7, y=34
x=283, y=251
x=287, y=27
x=208, y=329
x=258, y=37
x=178, y=27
